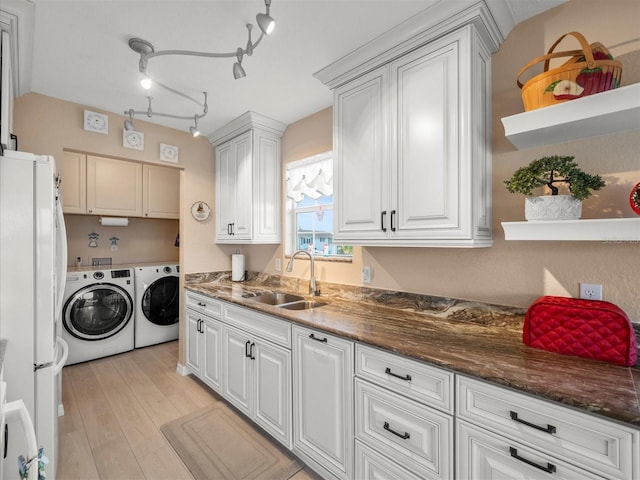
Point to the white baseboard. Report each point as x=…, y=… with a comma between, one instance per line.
x=182, y=370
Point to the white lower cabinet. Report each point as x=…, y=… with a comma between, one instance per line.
x=204, y=348
x=354, y=412
x=258, y=381
x=370, y=465
x=323, y=402
x=488, y=456
x=534, y=437
x=403, y=411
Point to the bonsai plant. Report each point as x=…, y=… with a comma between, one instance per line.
x=549, y=171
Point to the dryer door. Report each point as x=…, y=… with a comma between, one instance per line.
x=161, y=301
x=97, y=311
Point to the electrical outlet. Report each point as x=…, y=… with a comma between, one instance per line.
x=278, y=264
x=366, y=274
x=591, y=291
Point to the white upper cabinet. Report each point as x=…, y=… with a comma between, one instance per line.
x=248, y=180
x=412, y=137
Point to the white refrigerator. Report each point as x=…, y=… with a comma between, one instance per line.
x=33, y=259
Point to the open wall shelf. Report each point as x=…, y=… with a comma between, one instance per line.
x=612, y=111
x=608, y=230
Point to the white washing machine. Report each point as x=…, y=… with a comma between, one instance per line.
x=157, y=304
x=97, y=316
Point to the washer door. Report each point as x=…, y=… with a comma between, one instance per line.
x=97, y=311
x=161, y=301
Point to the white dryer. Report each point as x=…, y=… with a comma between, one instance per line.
x=157, y=304
x=97, y=315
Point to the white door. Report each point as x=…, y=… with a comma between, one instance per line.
x=272, y=390
x=225, y=199
x=323, y=400
x=212, y=351
x=194, y=342
x=425, y=181
x=237, y=368
x=361, y=180
x=241, y=222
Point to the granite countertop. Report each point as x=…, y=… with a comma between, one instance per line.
x=479, y=340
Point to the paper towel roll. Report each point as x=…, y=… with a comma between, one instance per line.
x=114, y=222
x=237, y=267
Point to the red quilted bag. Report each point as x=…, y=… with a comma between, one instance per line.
x=585, y=328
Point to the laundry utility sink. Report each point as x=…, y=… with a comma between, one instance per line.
x=301, y=305
x=277, y=298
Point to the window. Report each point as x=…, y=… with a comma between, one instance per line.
x=309, y=208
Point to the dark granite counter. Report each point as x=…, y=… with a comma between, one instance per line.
x=479, y=340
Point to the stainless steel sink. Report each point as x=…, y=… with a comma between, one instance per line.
x=277, y=298
x=301, y=305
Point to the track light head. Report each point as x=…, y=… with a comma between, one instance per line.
x=128, y=122
x=238, y=71
x=194, y=129
x=265, y=21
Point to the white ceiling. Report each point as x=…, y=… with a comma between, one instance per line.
x=80, y=53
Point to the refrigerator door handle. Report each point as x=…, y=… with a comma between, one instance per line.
x=17, y=410
x=63, y=359
x=61, y=256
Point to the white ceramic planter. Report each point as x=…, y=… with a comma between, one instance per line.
x=552, y=207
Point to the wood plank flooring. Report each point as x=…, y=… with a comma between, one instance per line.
x=114, y=408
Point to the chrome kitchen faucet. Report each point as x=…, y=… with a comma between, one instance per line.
x=313, y=290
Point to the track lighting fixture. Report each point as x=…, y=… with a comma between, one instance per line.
x=128, y=123
x=266, y=23
x=194, y=130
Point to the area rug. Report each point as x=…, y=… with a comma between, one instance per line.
x=216, y=443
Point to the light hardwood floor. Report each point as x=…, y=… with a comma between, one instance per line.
x=114, y=408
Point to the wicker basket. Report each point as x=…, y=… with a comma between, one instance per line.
x=588, y=71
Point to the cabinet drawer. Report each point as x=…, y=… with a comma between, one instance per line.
x=488, y=456
x=597, y=444
x=418, y=437
x=269, y=328
x=370, y=465
x=416, y=380
x=203, y=304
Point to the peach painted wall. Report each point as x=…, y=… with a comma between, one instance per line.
x=515, y=273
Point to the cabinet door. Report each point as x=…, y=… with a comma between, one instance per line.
x=212, y=353
x=266, y=187
x=72, y=168
x=482, y=454
x=225, y=190
x=194, y=342
x=242, y=228
x=234, y=194
x=114, y=187
x=425, y=148
x=236, y=367
x=161, y=192
x=272, y=390
x=360, y=145
x=323, y=400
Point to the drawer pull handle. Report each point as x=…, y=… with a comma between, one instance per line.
x=202, y=304
x=550, y=468
x=313, y=337
x=404, y=435
x=247, y=352
x=548, y=429
x=382, y=226
x=388, y=371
